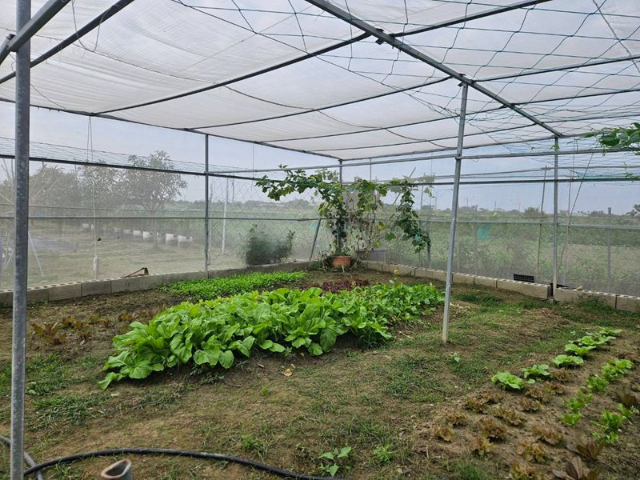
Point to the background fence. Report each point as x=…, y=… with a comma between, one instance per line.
x=91, y=222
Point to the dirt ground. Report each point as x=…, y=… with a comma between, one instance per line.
x=385, y=403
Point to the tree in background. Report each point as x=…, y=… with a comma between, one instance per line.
x=49, y=185
x=99, y=188
x=533, y=213
x=148, y=189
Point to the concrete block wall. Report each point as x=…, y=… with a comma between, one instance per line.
x=66, y=291
x=628, y=304
x=534, y=290
x=439, y=275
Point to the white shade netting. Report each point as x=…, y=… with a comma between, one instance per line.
x=291, y=75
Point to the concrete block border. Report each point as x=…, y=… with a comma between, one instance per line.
x=107, y=286
x=534, y=290
x=67, y=291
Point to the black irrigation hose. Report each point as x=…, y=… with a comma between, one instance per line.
x=175, y=453
x=27, y=458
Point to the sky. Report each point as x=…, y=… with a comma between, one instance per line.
x=128, y=138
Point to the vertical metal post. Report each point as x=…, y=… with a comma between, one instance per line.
x=564, y=258
x=609, y=250
x=315, y=240
x=21, y=221
x=206, y=203
x=555, y=215
x=475, y=241
x=454, y=215
x=340, y=226
x=224, y=217
x=544, y=184
x=421, y=187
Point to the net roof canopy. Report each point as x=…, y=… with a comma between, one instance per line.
x=348, y=79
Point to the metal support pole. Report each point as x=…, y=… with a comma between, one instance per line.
x=454, y=215
x=315, y=240
x=206, y=203
x=22, y=125
x=555, y=216
x=609, y=250
x=224, y=217
x=540, y=221
x=475, y=242
x=340, y=226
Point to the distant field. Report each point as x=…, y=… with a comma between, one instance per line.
x=499, y=247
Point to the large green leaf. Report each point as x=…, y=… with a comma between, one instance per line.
x=141, y=370
x=328, y=339
x=315, y=349
x=226, y=359
x=210, y=355
x=181, y=349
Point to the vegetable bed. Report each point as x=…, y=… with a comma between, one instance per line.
x=213, y=332
x=402, y=407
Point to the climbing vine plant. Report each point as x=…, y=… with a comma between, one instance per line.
x=355, y=211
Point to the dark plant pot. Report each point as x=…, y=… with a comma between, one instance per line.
x=341, y=261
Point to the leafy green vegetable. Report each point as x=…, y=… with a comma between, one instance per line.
x=610, y=424
x=612, y=332
x=578, y=350
x=509, y=381
x=616, y=368
x=537, y=371
x=597, y=384
x=567, y=361
x=211, y=288
x=215, y=332
x=594, y=340
x=579, y=402
x=571, y=418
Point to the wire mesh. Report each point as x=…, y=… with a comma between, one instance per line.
x=91, y=222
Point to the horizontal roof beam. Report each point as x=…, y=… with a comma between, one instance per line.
x=39, y=20
x=418, y=55
x=469, y=18
x=81, y=32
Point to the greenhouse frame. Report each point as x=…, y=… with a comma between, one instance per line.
x=349, y=83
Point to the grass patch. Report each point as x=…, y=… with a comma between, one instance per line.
x=254, y=444
x=57, y=409
x=46, y=375
x=479, y=298
x=159, y=398
x=417, y=379
x=5, y=379
x=471, y=470
x=208, y=289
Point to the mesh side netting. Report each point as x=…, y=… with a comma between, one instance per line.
x=81, y=212
x=294, y=76
x=506, y=229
